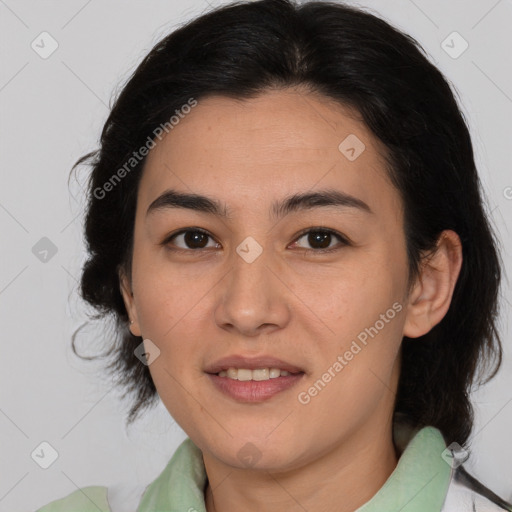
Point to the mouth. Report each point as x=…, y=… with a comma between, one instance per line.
x=247, y=379
x=258, y=374
x=239, y=367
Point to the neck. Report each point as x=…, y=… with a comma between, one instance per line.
x=343, y=479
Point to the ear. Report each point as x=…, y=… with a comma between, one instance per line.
x=129, y=302
x=432, y=292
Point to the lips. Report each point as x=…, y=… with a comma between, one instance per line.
x=251, y=363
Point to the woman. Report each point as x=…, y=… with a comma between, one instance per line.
x=286, y=221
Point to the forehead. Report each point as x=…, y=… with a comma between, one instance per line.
x=280, y=141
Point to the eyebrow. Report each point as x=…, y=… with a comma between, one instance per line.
x=301, y=201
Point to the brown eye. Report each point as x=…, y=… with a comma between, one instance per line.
x=195, y=239
x=320, y=239
x=192, y=239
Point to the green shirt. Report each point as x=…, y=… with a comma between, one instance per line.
x=419, y=482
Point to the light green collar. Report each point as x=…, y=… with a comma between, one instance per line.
x=180, y=486
x=419, y=482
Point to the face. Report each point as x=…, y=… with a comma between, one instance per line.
x=318, y=282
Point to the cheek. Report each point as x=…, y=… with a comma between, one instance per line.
x=164, y=294
x=351, y=296
x=363, y=307
x=357, y=374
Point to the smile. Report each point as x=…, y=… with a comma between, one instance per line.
x=259, y=374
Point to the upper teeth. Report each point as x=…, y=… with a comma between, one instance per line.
x=257, y=374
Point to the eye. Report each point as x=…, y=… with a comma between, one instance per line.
x=191, y=239
x=321, y=240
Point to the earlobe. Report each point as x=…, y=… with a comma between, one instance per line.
x=129, y=303
x=432, y=293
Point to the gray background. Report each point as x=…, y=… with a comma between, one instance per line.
x=52, y=111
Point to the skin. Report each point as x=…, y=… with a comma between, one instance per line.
x=302, y=306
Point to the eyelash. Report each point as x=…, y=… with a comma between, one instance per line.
x=343, y=240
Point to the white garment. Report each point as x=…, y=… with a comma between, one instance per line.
x=462, y=497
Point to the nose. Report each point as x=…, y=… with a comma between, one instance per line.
x=253, y=300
